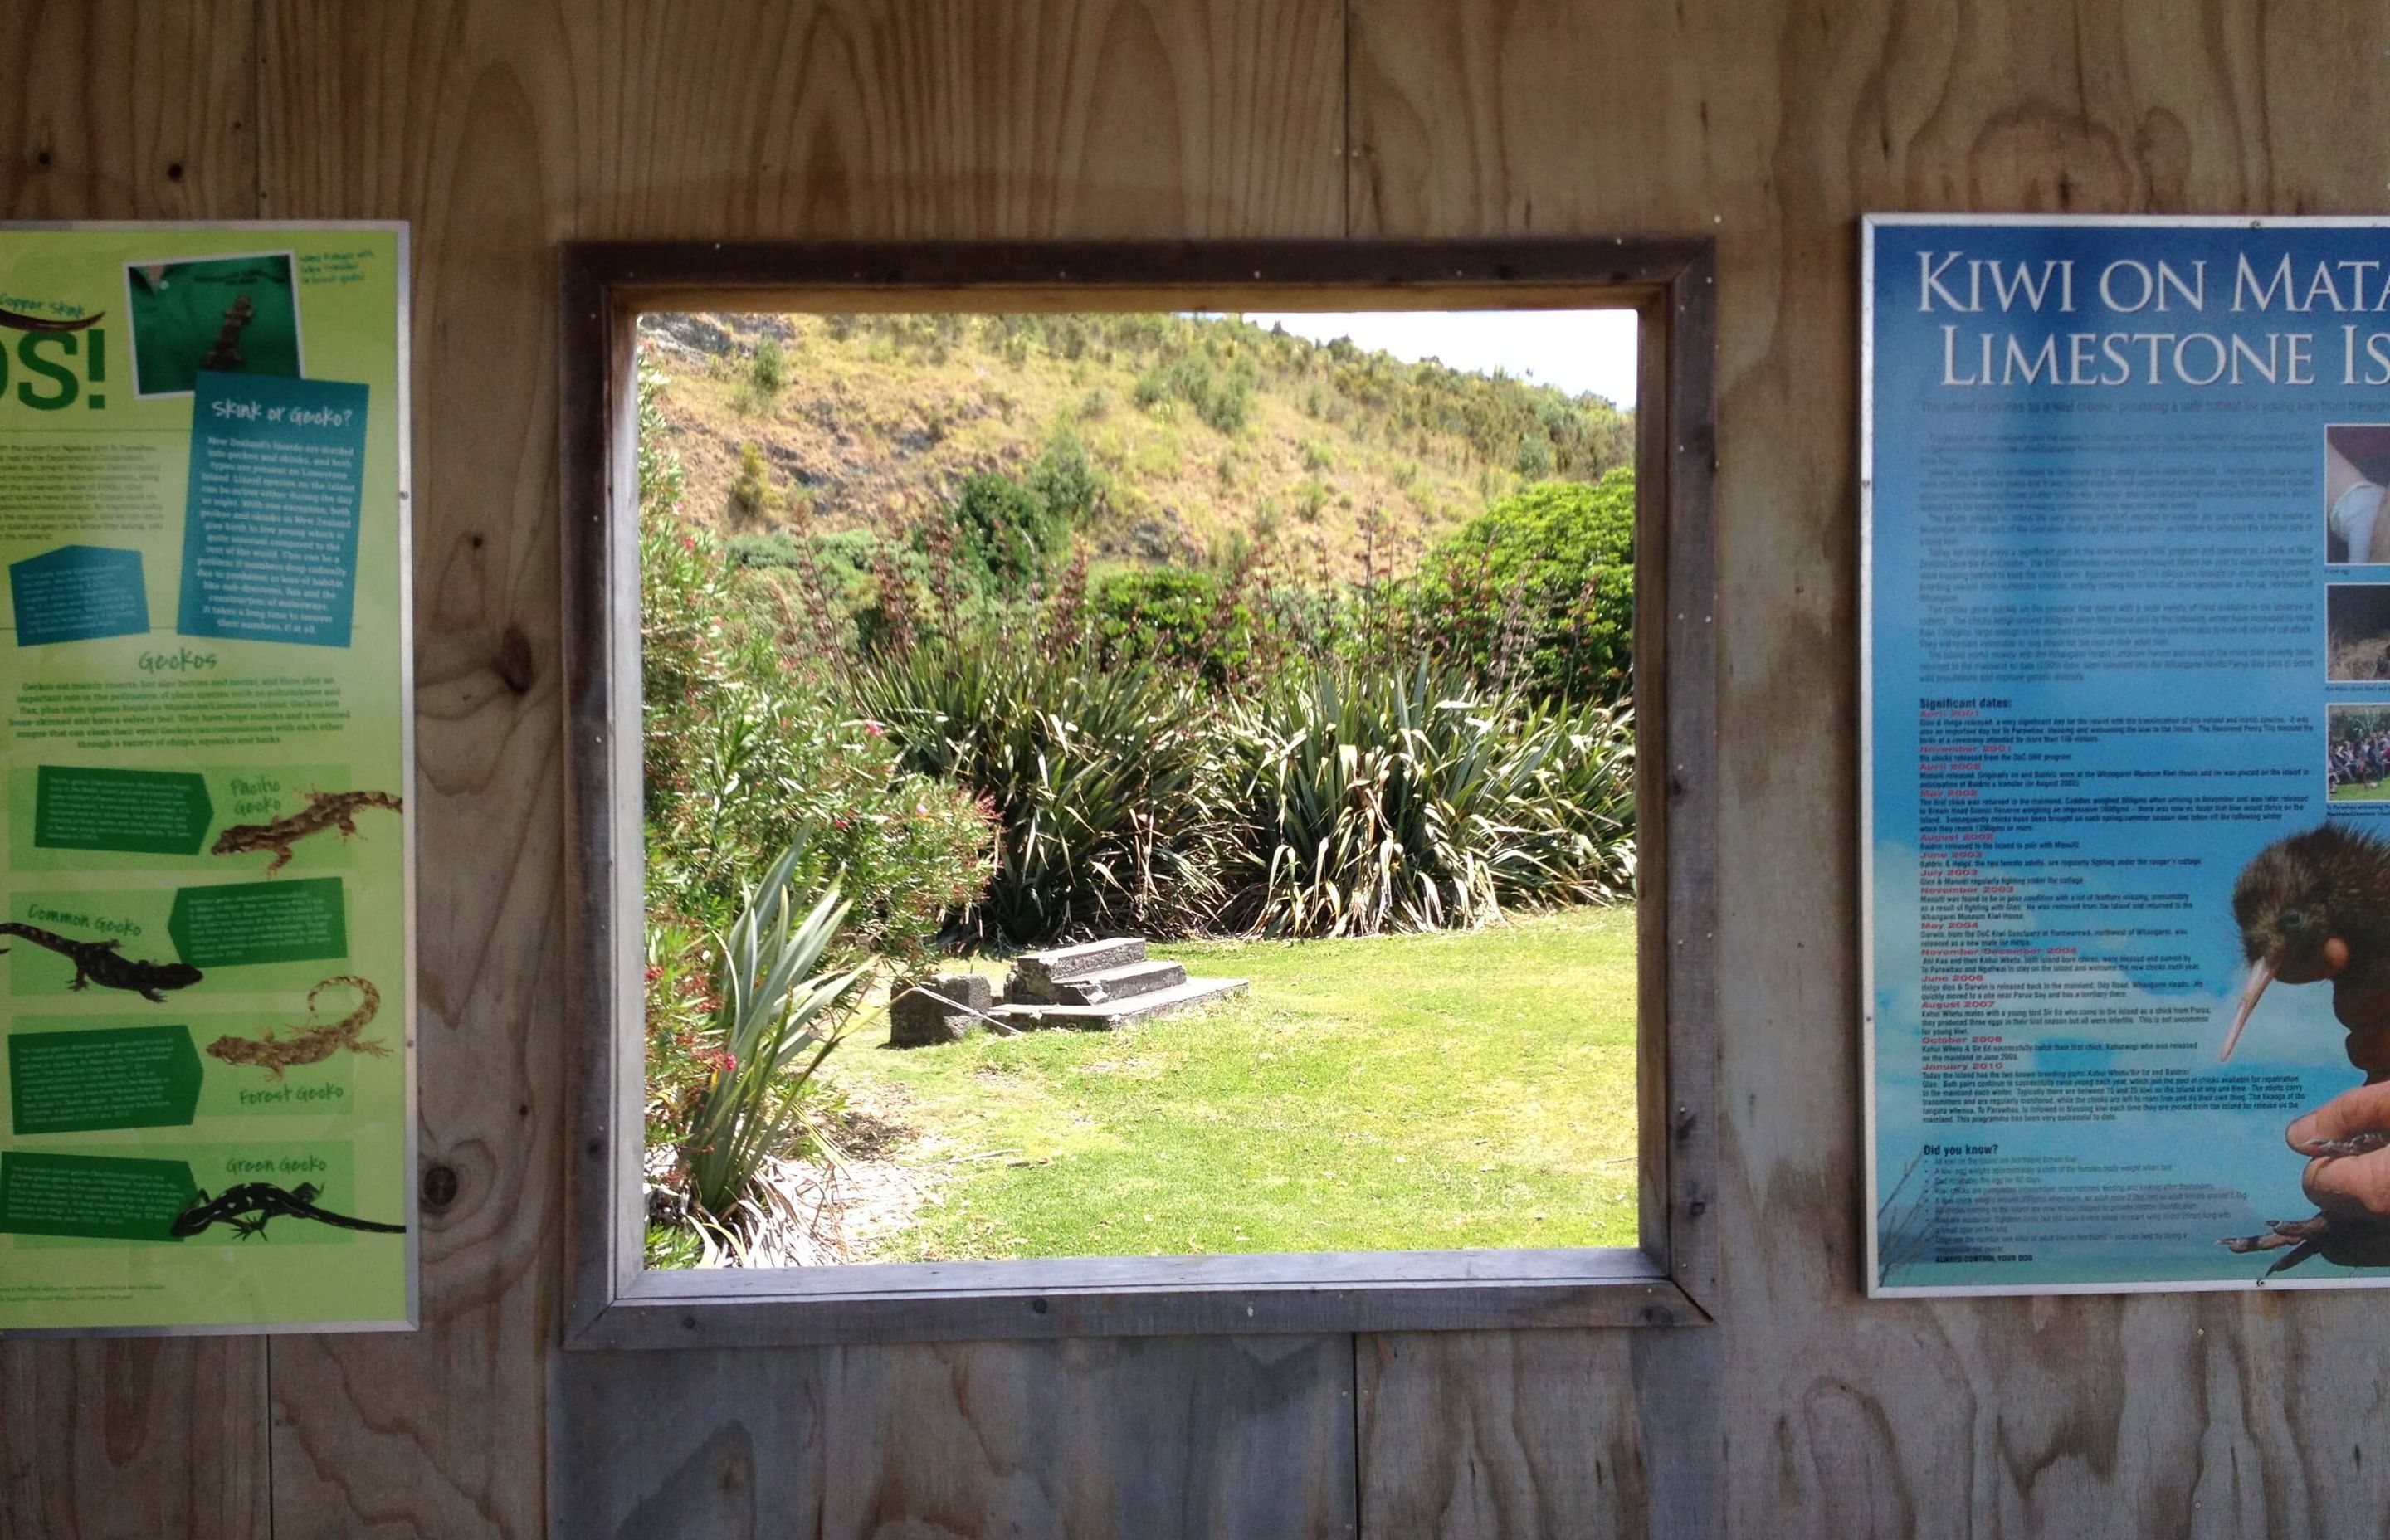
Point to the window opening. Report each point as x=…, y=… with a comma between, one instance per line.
x=1137, y=784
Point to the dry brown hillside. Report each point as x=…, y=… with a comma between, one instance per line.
x=1204, y=430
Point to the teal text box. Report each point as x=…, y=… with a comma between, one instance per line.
x=88, y=807
x=271, y=514
x=113, y=1077
x=236, y=924
x=78, y=593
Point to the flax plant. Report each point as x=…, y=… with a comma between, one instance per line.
x=780, y=1014
x=1369, y=800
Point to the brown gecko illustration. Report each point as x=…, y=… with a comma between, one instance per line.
x=324, y=809
x=312, y=1045
x=226, y=354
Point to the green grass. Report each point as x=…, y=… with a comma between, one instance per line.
x=2360, y=794
x=1421, y=1091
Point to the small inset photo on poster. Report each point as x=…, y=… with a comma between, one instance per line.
x=2357, y=756
x=2356, y=632
x=2356, y=468
x=235, y=314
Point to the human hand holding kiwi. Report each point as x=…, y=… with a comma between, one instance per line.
x=2347, y=1143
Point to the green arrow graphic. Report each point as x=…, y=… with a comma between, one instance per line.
x=92, y=1195
x=235, y=923
x=113, y=1077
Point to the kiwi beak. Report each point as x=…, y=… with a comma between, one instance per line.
x=2261, y=973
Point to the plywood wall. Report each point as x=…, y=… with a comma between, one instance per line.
x=502, y=129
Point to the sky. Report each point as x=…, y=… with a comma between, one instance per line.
x=1577, y=349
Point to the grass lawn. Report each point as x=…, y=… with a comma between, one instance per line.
x=2360, y=794
x=1398, y=1092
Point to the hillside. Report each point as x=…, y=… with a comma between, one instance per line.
x=1205, y=432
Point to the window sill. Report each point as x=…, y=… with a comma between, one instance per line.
x=1138, y=1296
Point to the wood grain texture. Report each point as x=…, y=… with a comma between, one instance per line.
x=1773, y=126
x=130, y=112
x=455, y=128
x=1563, y=1435
x=1156, y=1439
x=127, y=109
x=500, y=131
x=855, y=120
x=133, y=1437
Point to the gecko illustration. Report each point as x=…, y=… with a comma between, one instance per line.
x=266, y=1201
x=311, y=1045
x=226, y=354
x=324, y=809
x=96, y=962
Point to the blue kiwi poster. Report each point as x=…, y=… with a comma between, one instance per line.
x=2125, y=755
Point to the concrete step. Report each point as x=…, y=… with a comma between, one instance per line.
x=1035, y=974
x=1095, y=989
x=1112, y=1014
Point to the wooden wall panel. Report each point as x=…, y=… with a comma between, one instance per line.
x=1160, y=1438
x=127, y=109
x=129, y=1438
x=1773, y=126
x=853, y=118
x=500, y=131
x=130, y=112
x=457, y=123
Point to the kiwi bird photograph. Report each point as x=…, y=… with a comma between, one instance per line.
x=2314, y=907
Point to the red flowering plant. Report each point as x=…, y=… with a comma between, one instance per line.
x=781, y=1007
x=752, y=749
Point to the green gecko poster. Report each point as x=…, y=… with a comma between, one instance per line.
x=206, y=799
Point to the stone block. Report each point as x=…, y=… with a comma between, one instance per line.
x=926, y=1013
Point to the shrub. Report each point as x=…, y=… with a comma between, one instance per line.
x=770, y=548
x=1005, y=531
x=1177, y=618
x=750, y=489
x=748, y=750
x=1538, y=591
x=1361, y=800
x=660, y=475
x=1066, y=483
x=768, y=371
x=1090, y=771
x=1221, y=400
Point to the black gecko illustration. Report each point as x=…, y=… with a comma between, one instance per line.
x=96, y=962
x=247, y=1206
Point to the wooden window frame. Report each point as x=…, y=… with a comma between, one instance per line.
x=617, y=1302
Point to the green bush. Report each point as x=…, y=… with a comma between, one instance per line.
x=750, y=489
x=769, y=548
x=749, y=749
x=1363, y=800
x=1222, y=399
x=1005, y=531
x=1538, y=591
x=660, y=475
x=1065, y=482
x=1178, y=619
x=768, y=371
x=1091, y=772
